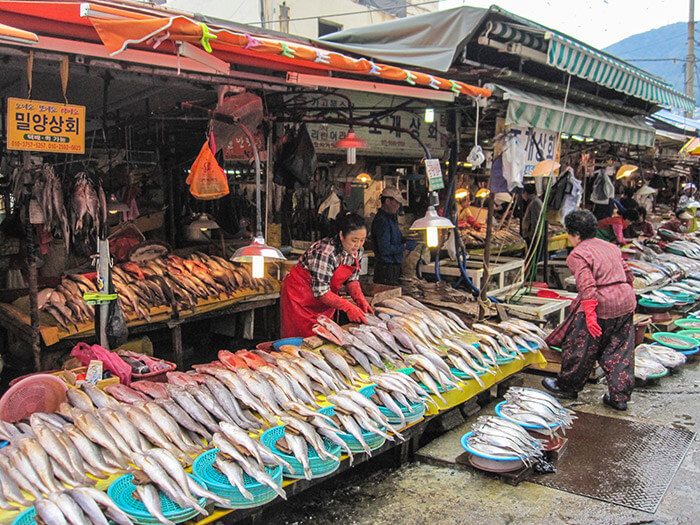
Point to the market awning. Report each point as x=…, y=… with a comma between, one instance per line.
x=435, y=40
x=17, y=36
x=586, y=62
x=119, y=33
x=528, y=109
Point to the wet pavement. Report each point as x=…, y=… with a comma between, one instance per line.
x=434, y=489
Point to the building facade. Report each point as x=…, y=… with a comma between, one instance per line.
x=309, y=18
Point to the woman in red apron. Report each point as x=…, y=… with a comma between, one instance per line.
x=311, y=288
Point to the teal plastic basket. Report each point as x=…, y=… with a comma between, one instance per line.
x=319, y=467
x=218, y=483
x=465, y=377
x=122, y=493
x=374, y=441
x=26, y=517
x=414, y=412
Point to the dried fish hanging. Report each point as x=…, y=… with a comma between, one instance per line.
x=88, y=210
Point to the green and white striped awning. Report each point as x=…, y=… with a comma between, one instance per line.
x=530, y=110
x=585, y=62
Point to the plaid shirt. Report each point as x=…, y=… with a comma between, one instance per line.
x=322, y=259
x=602, y=274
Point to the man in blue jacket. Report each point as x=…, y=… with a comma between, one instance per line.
x=388, y=242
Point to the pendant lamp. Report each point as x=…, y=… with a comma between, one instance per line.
x=351, y=142
x=545, y=168
x=204, y=223
x=115, y=206
x=257, y=251
x=626, y=170
x=432, y=222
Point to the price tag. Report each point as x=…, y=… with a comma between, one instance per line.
x=434, y=174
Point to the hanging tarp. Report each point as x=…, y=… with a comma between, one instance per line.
x=435, y=40
x=530, y=110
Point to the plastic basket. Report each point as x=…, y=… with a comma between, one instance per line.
x=293, y=341
x=373, y=441
x=35, y=393
x=218, y=483
x=26, y=517
x=690, y=342
x=122, y=493
x=524, y=425
x=412, y=413
x=465, y=445
x=319, y=467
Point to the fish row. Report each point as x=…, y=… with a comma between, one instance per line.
x=79, y=506
x=65, y=302
x=663, y=355
x=534, y=407
x=498, y=437
x=161, y=470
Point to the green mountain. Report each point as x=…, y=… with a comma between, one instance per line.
x=668, y=43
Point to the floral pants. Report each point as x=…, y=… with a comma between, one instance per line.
x=614, y=351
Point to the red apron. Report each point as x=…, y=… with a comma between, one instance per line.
x=299, y=307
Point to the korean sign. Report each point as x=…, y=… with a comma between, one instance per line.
x=546, y=140
x=34, y=125
x=434, y=173
x=381, y=142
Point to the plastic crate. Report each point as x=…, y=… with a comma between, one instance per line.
x=319, y=467
x=373, y=441
x=122, y=490
x=218, y=483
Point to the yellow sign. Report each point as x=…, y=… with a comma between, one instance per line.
x=34, y=125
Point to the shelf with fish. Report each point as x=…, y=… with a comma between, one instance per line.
x=149, y=293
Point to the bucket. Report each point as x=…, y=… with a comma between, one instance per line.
x=640, y=330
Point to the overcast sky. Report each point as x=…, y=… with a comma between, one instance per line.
x=595, y=22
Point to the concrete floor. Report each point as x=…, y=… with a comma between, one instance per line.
x=433, y=489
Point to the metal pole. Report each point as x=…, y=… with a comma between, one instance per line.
x=32, y=275
x=103, y=263
x=690, y=63
x=483, y=295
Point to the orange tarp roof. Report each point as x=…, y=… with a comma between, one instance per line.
x=12, y=34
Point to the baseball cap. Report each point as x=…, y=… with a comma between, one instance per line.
x=394, y=193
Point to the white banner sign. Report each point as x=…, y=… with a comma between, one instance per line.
x=546, y=140
x=382, y=142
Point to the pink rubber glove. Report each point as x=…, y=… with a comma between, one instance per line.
x=589, y=306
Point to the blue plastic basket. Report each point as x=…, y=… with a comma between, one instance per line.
x=513, y=420
x=412, y=413
x=26, y=517
x=122, y=493
x=218, y=483
x=319, y=467
x=374, y=441
x=465, y=377
x=294, y=341
x=465, y=445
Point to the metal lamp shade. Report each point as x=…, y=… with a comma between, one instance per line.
x=545, y=168
x=257, y=248
x=351, y=141
x=432, y=220
x=626, y=170
x=205, y=223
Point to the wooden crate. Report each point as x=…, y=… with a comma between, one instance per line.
x=505, y=273
x=531, y=307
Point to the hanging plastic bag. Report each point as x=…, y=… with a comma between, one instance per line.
x=207, y=181
x=297, y=160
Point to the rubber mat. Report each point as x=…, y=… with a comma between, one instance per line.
x=620, y=461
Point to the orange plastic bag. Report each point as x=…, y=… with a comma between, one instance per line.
x=207, y=180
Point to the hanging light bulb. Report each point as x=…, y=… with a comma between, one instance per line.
x=351, y=142
x=483, y=192
x=258, y=267
x=364, y=178
x=461, y=193
x=432, y=222
x=115, y=206
x=204, y=223
x=626, y=170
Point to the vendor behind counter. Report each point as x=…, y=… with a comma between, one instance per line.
x=311, y=287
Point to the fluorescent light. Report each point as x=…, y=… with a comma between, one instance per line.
x=578, y=138
x=302, y=79
x=429, y=115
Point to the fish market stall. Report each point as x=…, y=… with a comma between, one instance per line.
x=253, y=425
